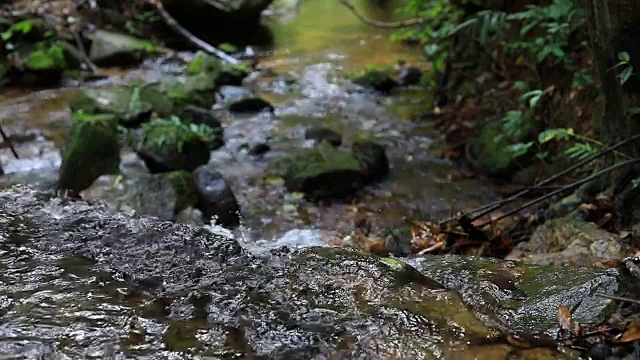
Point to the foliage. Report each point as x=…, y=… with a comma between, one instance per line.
x=46, y=59
x=627, y=68
x=542, y=31
x=202, y=131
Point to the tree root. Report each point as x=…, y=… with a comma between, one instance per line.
x=6, y=139
x=381, y=24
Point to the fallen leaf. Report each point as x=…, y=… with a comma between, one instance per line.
x=564, y=317
x=632, y=334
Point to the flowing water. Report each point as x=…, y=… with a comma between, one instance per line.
x=316, y=47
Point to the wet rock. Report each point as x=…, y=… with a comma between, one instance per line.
x=131, y=104
x=217, y=200
x=520, y=297
x=373, y=158
x=324, y=172
x=198, y=115
x=409, y=75
x=92, y=149
x=230, y=93
x=313, y=303
x=320, y=134
x=191, y=216
x=376, y=79
x=169, y=145
x=233, y=75
x=569, y=241
x=241, y=100
x=259, y=149
x=250, y=105
x=146, y=194
x=110, y=48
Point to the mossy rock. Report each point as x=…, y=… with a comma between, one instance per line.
x=324, y=172
x=190, y=90
x=184, y=186
x=376, y=79
x=204, y=63
x=131, y=104
x=37, y=64
x=92, y=150
x=169, y=145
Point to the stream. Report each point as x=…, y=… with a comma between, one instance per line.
x=135, y=290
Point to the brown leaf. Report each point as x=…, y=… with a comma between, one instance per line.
x=632, y=334
x=564, y=317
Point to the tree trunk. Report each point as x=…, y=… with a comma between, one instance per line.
x=612, y=26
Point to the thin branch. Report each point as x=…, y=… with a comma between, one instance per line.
x=381, y=24
x=174, y=25
x=560, y=191
x=619, y=298
x=6, y=139
x=83, y=54
x=498, y=204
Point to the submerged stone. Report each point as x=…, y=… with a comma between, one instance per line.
x=376, y=79
x=373, y=158
x=320, y=134
x=92, y=149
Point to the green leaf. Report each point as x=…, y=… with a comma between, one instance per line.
x=626, y=74
x=553, y=134
x=624, y=56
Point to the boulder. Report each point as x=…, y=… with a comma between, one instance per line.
x=217, y=200
x=92, y=149
x=169, y=145
x=110, y=48
x=324, y=172
x=320, y=134
x=373, y=158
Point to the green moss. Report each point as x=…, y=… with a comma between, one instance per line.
x=92, y=150
x=309, y=163
x=204, y=63
x=51, y=58
x=165, y=137
x=185, y=189
x=228, y=48
x=190, y=90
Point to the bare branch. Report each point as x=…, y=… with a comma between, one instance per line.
x=174, y=25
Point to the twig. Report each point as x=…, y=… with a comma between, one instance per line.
x=174, y=25
x=381, y=24
x=560, y=191
x=485, y=209
x=620, y=298
x=83, y=54
x=6, y=139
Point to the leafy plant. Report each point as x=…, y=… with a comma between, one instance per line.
x=625, y=62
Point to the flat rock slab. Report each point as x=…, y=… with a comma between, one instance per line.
x=136, y=286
